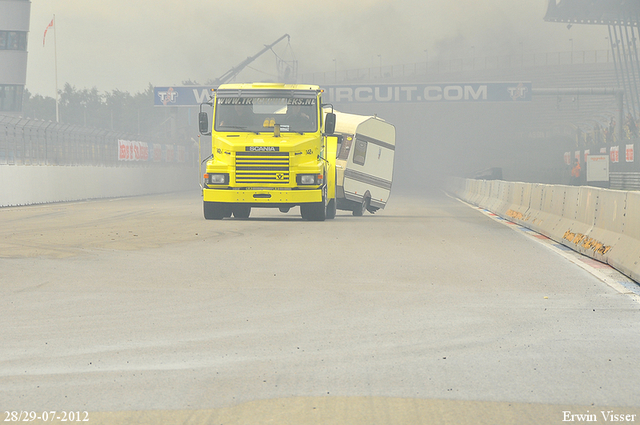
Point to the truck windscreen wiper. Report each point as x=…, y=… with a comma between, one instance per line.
x=237, y=127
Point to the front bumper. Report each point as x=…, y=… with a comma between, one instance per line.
x=264, y=197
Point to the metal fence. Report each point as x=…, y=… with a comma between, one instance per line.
x=26, y=141
x=436, y=67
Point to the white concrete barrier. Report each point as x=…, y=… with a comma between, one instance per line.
x=603, y=224
x=521, y=203
x=37, y=184
x=501, y=197
x=553, y=207
x=480, y=191
x=625, y=254
x=570, y=210
x=517, y=200
x=600, y=223
x=536, y=214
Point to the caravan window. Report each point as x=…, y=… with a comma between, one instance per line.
x=360, y=152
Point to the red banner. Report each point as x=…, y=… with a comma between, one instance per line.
x=629, y=154
x=614, y=153
x=132, y=151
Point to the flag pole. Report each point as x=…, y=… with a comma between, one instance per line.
x=55, y=62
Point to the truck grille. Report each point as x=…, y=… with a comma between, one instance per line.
x=262, y=167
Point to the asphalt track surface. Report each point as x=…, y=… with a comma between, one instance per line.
x=137, y=310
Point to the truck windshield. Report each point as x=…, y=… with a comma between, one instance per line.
x=261, y=114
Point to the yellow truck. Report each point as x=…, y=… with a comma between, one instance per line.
x=271, y=147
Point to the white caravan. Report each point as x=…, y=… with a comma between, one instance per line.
x=364, y=164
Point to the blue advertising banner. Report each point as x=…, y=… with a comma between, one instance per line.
x=181, y=95
x=412, y=93
x=375, y=93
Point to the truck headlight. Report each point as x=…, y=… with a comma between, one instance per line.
x=309, y=179
x=212, y=178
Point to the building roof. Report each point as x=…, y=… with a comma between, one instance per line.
x=594, y=12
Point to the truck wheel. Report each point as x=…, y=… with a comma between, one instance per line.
x=360, y=209
x=214, y=210
x=316, y=211
x=331, y=209
x=241, y=211
x=304, y=212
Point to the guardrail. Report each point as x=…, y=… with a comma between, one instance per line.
x=599, y=223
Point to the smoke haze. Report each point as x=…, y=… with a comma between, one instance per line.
x=128, y=45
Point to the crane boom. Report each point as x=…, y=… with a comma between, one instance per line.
x=238, y=68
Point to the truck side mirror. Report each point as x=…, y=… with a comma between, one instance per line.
x=203, y=123
x=330, y=123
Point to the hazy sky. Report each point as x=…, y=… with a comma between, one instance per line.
x=125, y=45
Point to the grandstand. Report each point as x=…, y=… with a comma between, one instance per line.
x=621, y=18
x=560, y=122
x=594, y=12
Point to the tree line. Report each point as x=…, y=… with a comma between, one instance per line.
x=115, y=110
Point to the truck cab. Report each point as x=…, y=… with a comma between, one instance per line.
x=269, y=150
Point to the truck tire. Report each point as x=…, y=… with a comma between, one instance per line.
x=241, y=211
x=304, y=212
x=316, y=211
x=214, y=210
x=331, y=209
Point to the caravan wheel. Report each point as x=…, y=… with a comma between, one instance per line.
x=359, y=210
